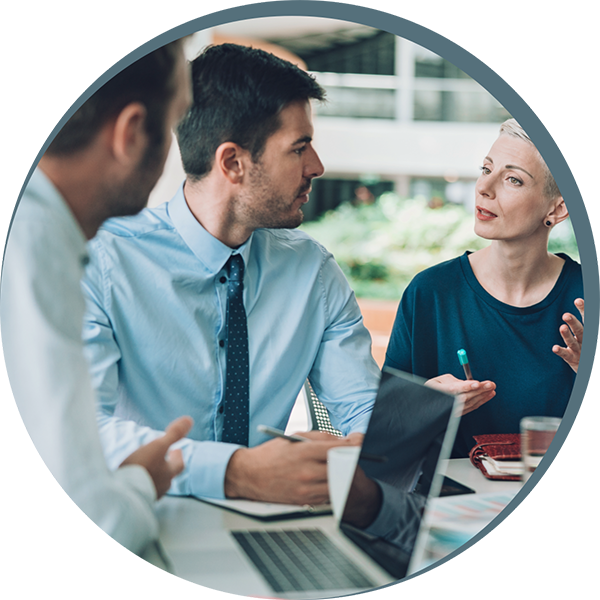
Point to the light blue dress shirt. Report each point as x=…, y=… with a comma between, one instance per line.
x=156, y=300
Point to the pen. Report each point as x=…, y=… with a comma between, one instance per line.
x=464, y=361
x=280, y=434
x=298, y=438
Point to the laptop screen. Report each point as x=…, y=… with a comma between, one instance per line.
x=411, y=430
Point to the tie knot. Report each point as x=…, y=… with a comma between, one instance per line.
x=236, y=267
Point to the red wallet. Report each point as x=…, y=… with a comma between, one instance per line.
x=499, y=446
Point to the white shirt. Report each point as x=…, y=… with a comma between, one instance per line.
x=41, y=311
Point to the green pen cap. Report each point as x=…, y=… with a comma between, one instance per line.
x=462, y=357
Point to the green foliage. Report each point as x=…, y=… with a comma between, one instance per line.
x=382, y=246
x=562, y=239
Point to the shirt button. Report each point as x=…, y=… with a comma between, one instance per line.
x=221, y=409
x=221, y=343
x=223, y=279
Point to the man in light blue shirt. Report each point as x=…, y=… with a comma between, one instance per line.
x=157, y=284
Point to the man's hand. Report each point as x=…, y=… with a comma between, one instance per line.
x=153, y=456
x=572, y=334
x=283, y=471
x=353, y=439
x=473, y=393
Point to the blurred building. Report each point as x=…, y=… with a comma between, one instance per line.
x=398, y=117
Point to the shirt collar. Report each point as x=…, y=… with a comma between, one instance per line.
x=211, y=252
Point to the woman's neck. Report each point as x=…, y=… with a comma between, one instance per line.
x=516, y=274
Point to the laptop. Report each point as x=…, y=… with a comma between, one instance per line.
x=411, y=431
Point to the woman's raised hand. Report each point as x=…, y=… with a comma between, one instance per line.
x=572, y=334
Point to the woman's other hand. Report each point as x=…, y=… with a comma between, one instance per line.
x=472, y=393
x=572, y=334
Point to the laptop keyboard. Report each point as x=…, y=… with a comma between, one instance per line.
x=300, y=560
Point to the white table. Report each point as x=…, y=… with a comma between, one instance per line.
x=195, y=535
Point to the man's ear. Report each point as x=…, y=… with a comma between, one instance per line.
x=559, y=211
x=231, y=161
x=128, y=136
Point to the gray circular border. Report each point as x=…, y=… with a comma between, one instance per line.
x=500, y=89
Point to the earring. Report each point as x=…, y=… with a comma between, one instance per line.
x=548, y=223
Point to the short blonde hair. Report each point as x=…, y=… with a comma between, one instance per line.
x=512, y=128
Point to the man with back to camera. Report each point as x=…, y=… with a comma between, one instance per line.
x=104, y=162
x=178, y=293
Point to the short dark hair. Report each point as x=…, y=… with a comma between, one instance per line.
x=150, y=81
x=238, y=95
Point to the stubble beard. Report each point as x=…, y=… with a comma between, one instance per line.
x=267, y=210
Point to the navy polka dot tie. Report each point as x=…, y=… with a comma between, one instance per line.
x=235, y=424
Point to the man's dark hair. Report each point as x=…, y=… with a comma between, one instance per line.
x=150, y=81
x=238, y=95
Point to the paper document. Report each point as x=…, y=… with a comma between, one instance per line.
x=269, y=510
x=468, y=512
x=451, y=521
x=502, y=467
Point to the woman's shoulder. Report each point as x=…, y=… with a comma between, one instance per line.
x=571, y=270
x=570, y=263
x=571, y=277
x=439, y=274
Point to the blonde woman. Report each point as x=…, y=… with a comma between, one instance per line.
x=508, y=305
